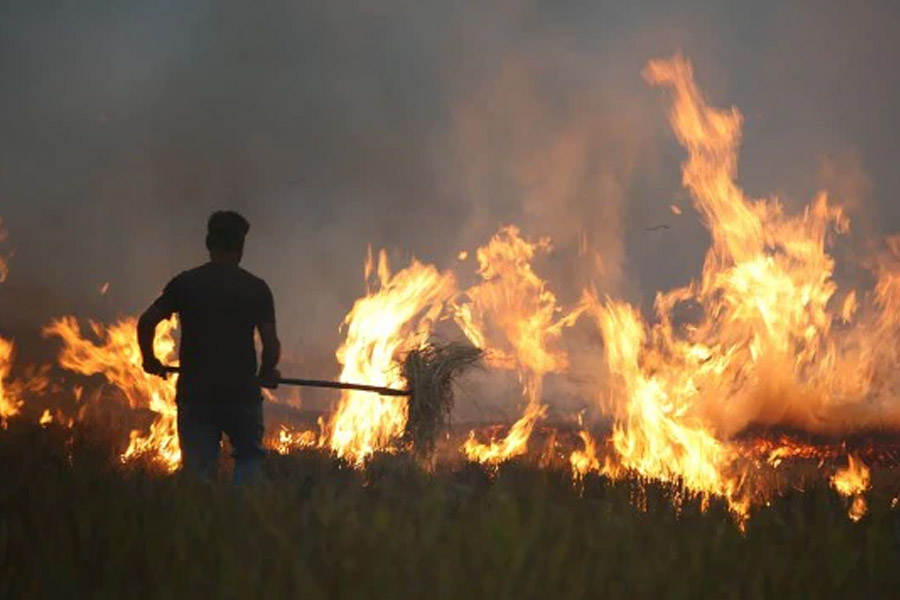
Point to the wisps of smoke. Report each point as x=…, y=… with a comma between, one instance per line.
x=4, y=266
x=419, y=127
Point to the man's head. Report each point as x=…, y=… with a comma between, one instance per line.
x=225, y=232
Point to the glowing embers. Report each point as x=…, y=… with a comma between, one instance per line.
x=289, y=439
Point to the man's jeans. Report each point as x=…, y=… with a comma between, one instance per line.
x=200, y=429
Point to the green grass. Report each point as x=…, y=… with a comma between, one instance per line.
x=76, y=524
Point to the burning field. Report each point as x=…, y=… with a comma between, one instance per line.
x=760, y=401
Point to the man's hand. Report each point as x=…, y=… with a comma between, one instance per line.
x=146, y=331
x=152, y=366
x=269, y=379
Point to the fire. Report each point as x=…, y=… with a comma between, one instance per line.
x=657, y=437
x=289, y=440
x=852, y=482
x=117, y=357
x=756, y=355
x=774, y=340
x=514, y=444
x=397, y=312
x=585, y=461
x=765, y=350
x=776, y=451
x=513, y=315
x=10, y=403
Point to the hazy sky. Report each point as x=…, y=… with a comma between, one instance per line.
x=415, y=126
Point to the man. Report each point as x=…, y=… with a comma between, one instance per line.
x=220, y=305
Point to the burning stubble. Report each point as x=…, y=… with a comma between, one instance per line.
x=776, y=341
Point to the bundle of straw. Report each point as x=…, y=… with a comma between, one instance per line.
x=430, y=371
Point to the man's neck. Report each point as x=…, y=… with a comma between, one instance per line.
x=224, y=258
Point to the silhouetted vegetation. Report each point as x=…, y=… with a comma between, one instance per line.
x=76, y=523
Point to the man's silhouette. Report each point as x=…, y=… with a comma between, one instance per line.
x=219, y=305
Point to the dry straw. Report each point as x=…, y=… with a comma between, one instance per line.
x=430, y=372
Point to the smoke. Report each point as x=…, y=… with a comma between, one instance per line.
x=418, y=127
x=4, y=267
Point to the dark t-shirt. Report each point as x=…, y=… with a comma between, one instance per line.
x=219, y=306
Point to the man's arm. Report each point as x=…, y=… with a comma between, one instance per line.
x=146, y=331
x=159, y=311
x=271, y=348
x=268, y=335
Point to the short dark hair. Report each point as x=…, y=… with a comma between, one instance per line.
x=226, y=230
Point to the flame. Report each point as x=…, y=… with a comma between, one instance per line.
x=390, y=319
x=513, y=315
x=117, y=357
x=852, y=482
x=585, y=461
x=764, y=290
x=656, y=437
x=10, y=403
x=289, y=440
x=513, y=444
x=764, y=350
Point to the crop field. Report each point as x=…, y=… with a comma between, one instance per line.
x=571, y=368
x=77, y=523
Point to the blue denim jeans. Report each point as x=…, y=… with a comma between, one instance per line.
x=200, y=429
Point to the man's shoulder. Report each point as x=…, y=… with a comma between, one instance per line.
x=210, y=272
x=179, y=278
x=252, y=279
x=190, y=274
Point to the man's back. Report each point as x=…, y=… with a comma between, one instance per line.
x=219, y=306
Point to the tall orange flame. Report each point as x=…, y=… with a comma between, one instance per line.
x=513, y=315
x=117, y=357
x=390, y=319
x=765, y=349
x=760, y=352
